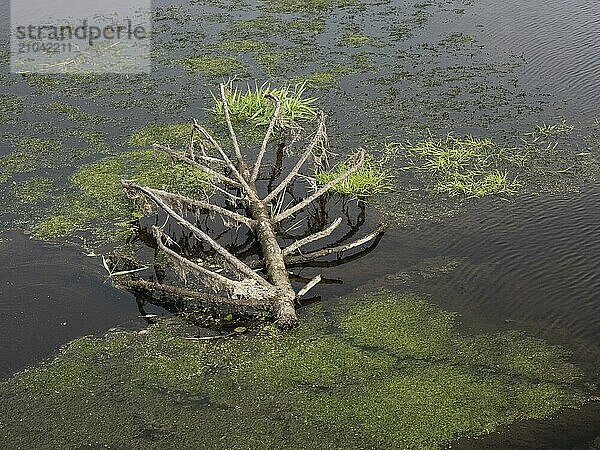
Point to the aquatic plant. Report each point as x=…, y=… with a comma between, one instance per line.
x=373, y=178
x=75, y=113
x=253, y=105
x=556, y=129
x=468, y=166
x=215, y=66
x=397, y=372
x=10, y=106
x=170, y=134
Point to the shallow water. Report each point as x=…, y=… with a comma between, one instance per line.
x=530, y=263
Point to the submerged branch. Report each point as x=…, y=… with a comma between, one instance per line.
x=233, y=261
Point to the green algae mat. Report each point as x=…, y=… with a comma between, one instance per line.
x=388, y=371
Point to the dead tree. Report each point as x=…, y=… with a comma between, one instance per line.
x=245, y=289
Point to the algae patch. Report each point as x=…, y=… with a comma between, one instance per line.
x=215, y=66
x=173, y=135
x=389, y=371
x=33, y=190
x=10, y=106
x=100, y=207
x=33, y=154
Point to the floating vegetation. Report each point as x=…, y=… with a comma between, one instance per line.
x=356, y=40
x=33, y=154
x=172, y=134
x=464, y=165
x=324, y=78
x=311, y=6
x=252, y=105
x=75, y=113
x=10, y=106
x=33, y=190
x=396, y=374
x=100, y=207
x=215, y=66
x=371, y=179
x=557, y=129
x=267, y=26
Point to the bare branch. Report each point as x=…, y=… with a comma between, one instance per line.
x=299, y=259
x=192, y=203
x=313, y=237
x=216, y=278
x=319, y=192
x=230, y=165
x=197, y=165
x=191, y=144
x=263, y=148
x=204, y=299
x=236, y=145
x=311, y=284
x=235, y=263
x=319, y=134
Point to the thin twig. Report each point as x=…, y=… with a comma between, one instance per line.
x=311, y=284
x=232, y=167
x=313, y=237
x=168, y=196
x=234, y=140
x=319, y=134
x=197, y=165
x=263, y=148
x=306, y=257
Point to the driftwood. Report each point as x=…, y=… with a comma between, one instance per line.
x=238, y=286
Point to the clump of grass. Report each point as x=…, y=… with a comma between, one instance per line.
x=253, y=107
x=557, y=129
x=373, y=178
x=467, y=166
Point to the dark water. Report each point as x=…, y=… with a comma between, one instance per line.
x=531, y=263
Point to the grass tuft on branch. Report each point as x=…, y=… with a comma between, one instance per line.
x=253, y=106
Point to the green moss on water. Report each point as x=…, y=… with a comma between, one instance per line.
x=33, y=190
x=75, y=113
x=32, y=154
x=268, y=26
x=309, y=6
x=324, y=78
x=99, y=205
x=386, y=371
x=215, y=66
x=356, y=40
x=10, y=107
x=175, y=135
